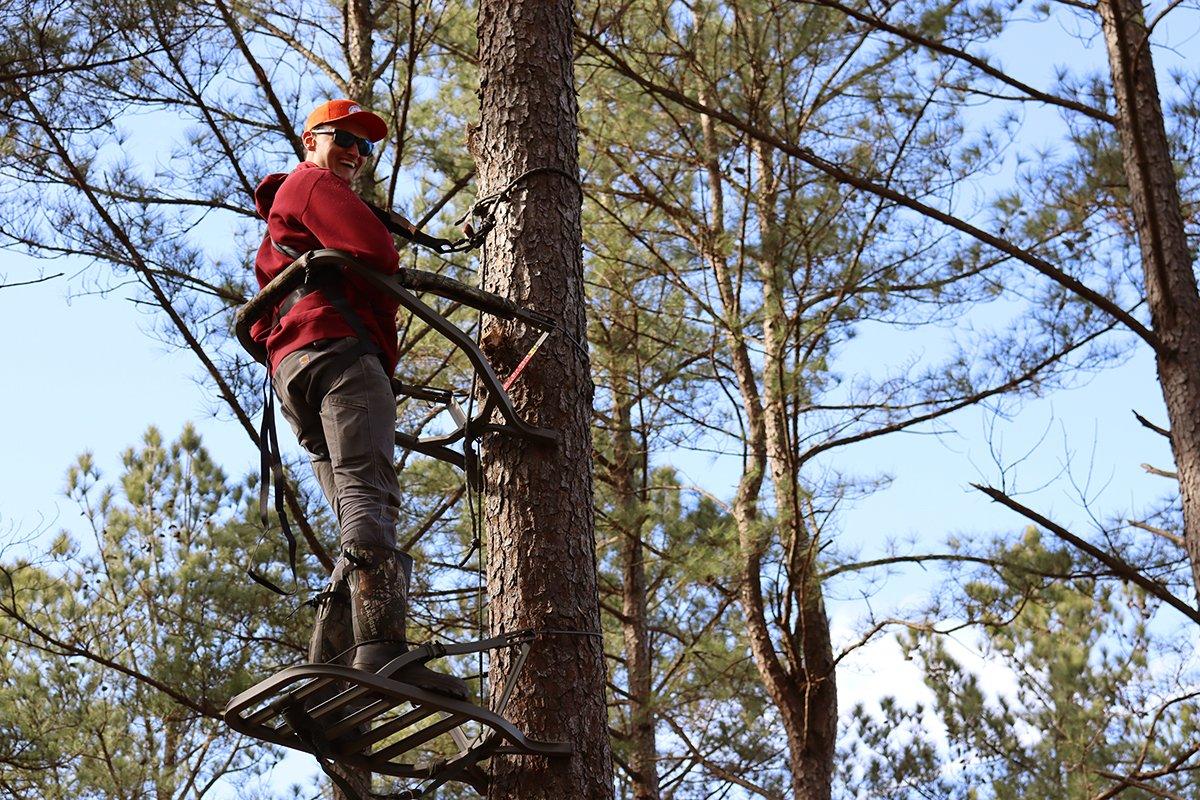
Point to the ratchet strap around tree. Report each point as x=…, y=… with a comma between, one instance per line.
x=483, y=210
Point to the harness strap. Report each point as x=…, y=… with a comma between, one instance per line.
x=271, y=462
x=289, y=302
x=271, y=466
x=328, y=284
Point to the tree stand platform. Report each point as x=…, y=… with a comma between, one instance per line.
x=377, y=722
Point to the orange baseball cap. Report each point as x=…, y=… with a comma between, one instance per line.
x=338, y=110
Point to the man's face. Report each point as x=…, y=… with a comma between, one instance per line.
x=345, y=162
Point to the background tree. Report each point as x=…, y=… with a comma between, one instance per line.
x=541, y=532
x=783, y=266
x=1096, y=702
x=121, y=651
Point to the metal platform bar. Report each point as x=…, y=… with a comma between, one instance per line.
x=401, y=286
x=415, y=740
x=273, y=710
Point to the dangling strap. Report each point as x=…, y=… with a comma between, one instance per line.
x=271, y=462
x=271, y=465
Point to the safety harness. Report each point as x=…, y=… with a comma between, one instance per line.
x=329, y=284
x=324, y=271
x=374, y=721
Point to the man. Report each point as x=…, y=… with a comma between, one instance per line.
x=332, y=349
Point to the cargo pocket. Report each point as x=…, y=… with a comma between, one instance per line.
x=347, y=425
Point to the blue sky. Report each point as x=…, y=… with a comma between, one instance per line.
x=82, y=374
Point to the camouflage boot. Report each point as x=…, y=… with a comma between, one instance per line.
x=378, y=581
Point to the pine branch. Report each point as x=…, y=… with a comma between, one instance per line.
x=843, y=175
x=962, y=55
x=1121, y=568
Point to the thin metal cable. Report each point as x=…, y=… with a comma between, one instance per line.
x=475, y=500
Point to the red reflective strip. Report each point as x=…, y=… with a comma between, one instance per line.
x=525, y=361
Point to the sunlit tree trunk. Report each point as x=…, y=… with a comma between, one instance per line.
x=541, y=540
x=1170, y=282
x=801, y=683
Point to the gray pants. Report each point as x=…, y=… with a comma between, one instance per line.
x=346, y=420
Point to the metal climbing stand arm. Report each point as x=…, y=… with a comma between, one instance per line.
x=511, y=682
x=421, y=281
x=402, y=286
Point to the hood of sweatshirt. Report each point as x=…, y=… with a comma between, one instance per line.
x=264, y=195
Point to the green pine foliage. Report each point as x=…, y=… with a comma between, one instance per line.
x=122, y=647
x=1075, y=689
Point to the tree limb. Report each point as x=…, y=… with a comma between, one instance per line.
x=1147, y=423
x=1122, y=568
x=30, y=283
x=1171, y=537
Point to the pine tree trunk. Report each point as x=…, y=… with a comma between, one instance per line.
x=359, y=20
x=628, y=487
x=1170, y=281
x=802, y=689
x=807, y=695
x=541, y=538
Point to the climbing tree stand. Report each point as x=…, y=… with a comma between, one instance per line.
x=376, y=722
x=313, y=267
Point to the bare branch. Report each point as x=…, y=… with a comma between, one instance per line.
x=83, y=66
x=715, y=768
x=1147, y=423
x=30, y=283
x=281, y=116
x=1170, y=537
x=1122, y=568
x=961, y=559
x=1162, y=473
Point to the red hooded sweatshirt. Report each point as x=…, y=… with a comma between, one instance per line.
x=311, y=208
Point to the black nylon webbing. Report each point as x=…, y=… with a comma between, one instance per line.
x=271, y=466
x=271, y=462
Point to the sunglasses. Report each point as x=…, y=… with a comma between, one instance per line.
x=345, y=139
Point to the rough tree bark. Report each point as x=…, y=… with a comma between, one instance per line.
x=1158, y=215
x=541, y=540
x=801, y=684
x=359, y=20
